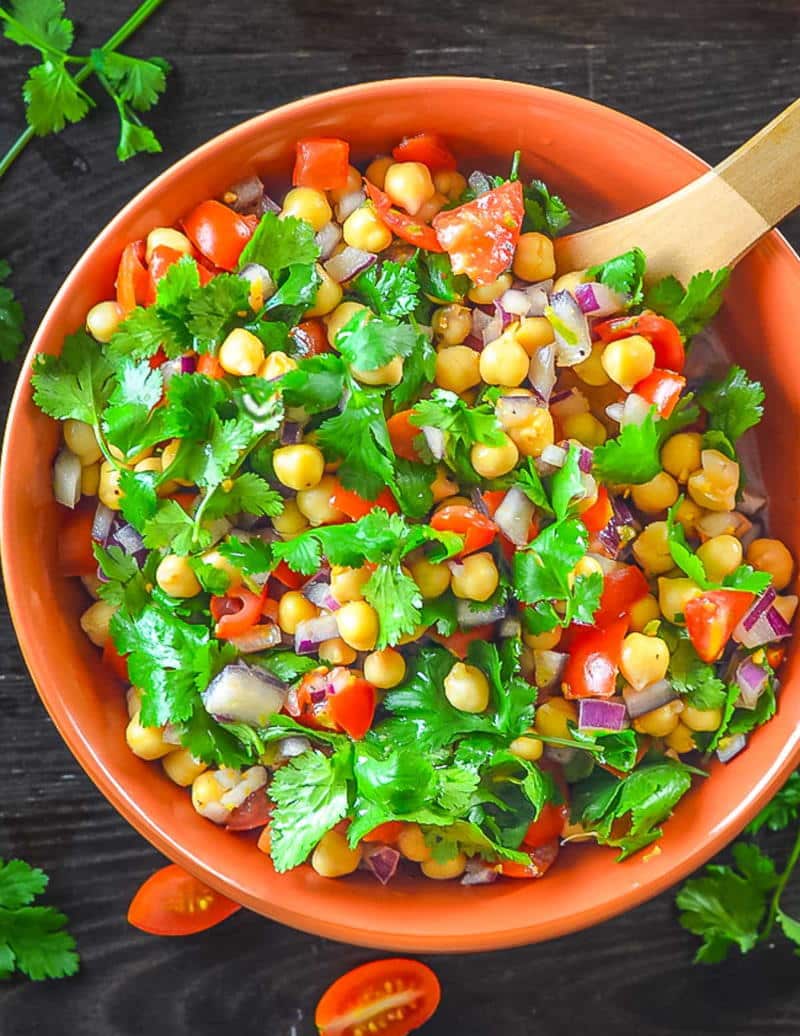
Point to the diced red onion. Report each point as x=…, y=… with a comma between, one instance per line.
x=248, y=195
x=494, y=328
x=171, y=734
x=257, y=638
x=479, y=182
x=327, y=239
x=67, y=478
x=251, y=781
x=649, y=698
x=510, y=627
x=607, y=564
x=585, y=460
x=504, y=316
x=752, y=680
x=548, y=667
x=244, y=694
x=468, y=617
x=732, y=747
x=474, y=343
x=478, y=872
x=382, y=860
x=542, y=371
x=320, y=694
x=513, y=411
x=554, y=455
x=434, y=437
x=515, y=302
x=320, y=593
x=101, y=526
x=762, y=623
x=311, y=632
x=615, y=411
x=456, y=567
x=129, y=539
x=537, y=297
x=289, y=747
x=349, y=202
x=479, y=321
x=259, y=275
x=598, y=300
x=597, y=714
x=514, y=516
x=634, y=410
x=268, y=204
x=751, y=503
x=565, y=315
x=291, y=433
x=348, y=263
x=569, y=405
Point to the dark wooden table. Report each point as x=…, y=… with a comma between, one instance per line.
x=708, y=74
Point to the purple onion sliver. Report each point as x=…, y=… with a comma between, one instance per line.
x=291, y=433
x=752, y=680
x=758, y=608
x=586, y=298
x=268, y=204
x=585, y=460
x=248, y=196
x=383, y=861
x=348, y=263
x=649, y=698
x=732, y=748
x=317, y=696
x=595, y=714
x=189, y=363
x=477, y=872
x=129, y=539
x=101, y=525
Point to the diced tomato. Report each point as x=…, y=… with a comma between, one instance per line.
x=116, y=662
x=477, y=529
x=660, y=332
x=662, y=388
x=157, y=359
x=775, y=654
x=542, y=859
x=355, y=506
x=493, y=498
x=481, y=236
x=254, y=812
x=400, y=223
x=290, y=579
x=75, y=554
x=428, y=148
x=458, y=643
x=160, y=261
x=184, y=498
x=547, y=826
x=387, y=832
x=392, y=997
x=712, y=617
x=210, y=366
x=597, y=517
x=593, y=663
x=236, y=612
x=402, y=434
x=174, y=902
x=622, y=588
x=322, y=163
x=134, y=287
x=311, y=338
x=218, y=232
x=353, y=708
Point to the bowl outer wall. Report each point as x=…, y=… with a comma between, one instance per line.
x=585, y=150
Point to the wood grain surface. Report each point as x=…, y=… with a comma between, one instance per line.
x=707, y=74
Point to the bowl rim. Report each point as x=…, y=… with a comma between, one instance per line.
x=115, y=792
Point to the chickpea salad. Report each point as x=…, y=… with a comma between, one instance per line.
x=412, y=555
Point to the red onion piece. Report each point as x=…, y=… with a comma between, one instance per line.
x=474, y=343
x=479, y=321
x=634, y=410
x=67, y=478
x=349, y=202
x=649, y=698
x=101, y=526
x=318, y=591
x=291, y=433
x=598, y=300
x=477, y=501
x=478, y=872
x=554, y=455
x=247, y=196
x=456, y=567
x=585, y=460
x=751, y=503
x=514, y=302
x=129, y=539
x=731, y=748
x=504, y=316
x=510, y=627
x=494, y=328
x=469, y=618
x=268, y=204
x=548, y=667
x=257, y=638
x=752, y=681
x=327, y=239
x=244, y=694
x=254, y=812
x=348, y=263
x=290, y=747
x=596, y=714
x=382, y=860
x=762, y=623
x=514, y=516
x=573, y=341
x=479, y=182
x=568, y=405
x=258, y=275
x=434, y=437
x=311, y=632
x=542, y=371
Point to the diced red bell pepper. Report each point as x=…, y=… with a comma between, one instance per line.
x=481, y=236
x=662, y=388
x=542, y=859
x=660, y=332
x=255, y=811
x=236, y=612
x=133, y=284
x=75, y=554
x=458, y=643
x=210, y=366
x=161, y=259
x=387, y=832
x=477, y=529
x=355, y=506
x=622, y=588
x=712, y=617
x=322, y=163
x=218, y=232
x=116, y=662
x=597, y=517
x=310, y=338
x=290, y=579
x=547, y=826
x=593, y=663
x=402, y=434
x=353, y=708
x=428, y=148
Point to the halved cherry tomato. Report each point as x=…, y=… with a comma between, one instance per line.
x=75, y=554
x=662, y=388
x=547, y=826
x=542, y=858
x=402, y=434
x=160, y=261
x=387, y=832
x=174, y=902
x=310, y=338
x=218, y=232
x=477, y=529
x=481, y=236
x=400, y=223
x=352, y=708
x=712, y=617
x=254, y=812
x=593, y=663
x=392, y=997
x=290, y=579
x=622, y=588
x=116, y=662
x=597, y=517
x=134, y=287
x=660, y=332
x=428, y=148
x=322, y=163
x=236, y=612
x=458, y=643
x=210, y=366
x=355, y=506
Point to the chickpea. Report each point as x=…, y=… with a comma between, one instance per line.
x=451, y=324
x=680, y=454
x=176, y=577
x=504, y=361
x=336, y=652
x=432, y=578
x=553, y=717
x=291, y=521
x=222, y=564
x=533, y=333
x=643, y=612
x=241, y=353
x=688, y=514
x=466, y=688
x=537, y=432
x=701, y=719
x=103, y=320
x=376, y=170
x=182, y=767
x=673, y=595
x=409, y=185
x=108, y=489
x=390, y=374
x=660, y=722
x=275, y=365
x=477, y=577
x=530, y=748
x=432, y=207
x=358, y=625
x=681, y=740
x=329, y=295
x=317, y=503
x=343, y=314
x=720, y=555
x=167, y=237
x=585, y=428
x=385, y=669
x=412, y=845
x=206, y=791
x=450, y=182
x=483, y=294
x=569, y=281
x=644, y=660
x=333, y=857
x=95, y=621
x=628, y=360
x=347, y=584
x=90, y=479
x=494, y=461
x=146, y=742
x=656, y=495
x=591, y=370
x=786, y=606
x=714, y=487
x=308, y=204
x=772, y=556
x=534, y=259
x=81, y=440
x=444, y=485
x=294, y=608
x=457, y=368
x=299, y=467
x=543, y=641
x=446, y=869
x=363, y=229
x=651, y=549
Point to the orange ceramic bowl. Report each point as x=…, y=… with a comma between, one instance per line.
x=588, y=153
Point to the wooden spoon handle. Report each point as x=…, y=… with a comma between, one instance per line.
x=712, y=221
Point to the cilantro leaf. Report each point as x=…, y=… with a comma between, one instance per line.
x=359, y=438
x=137, y=390
x=566, y=486
x=316, y=384
x=633, y=456
x=691, y=308
x=733, y=404
x=440, y=612
x=545, y=213
x=681, y=554
x=171, y=527
x=624, y=274
x=437, y=280
x=214, y=308
x=419, y=370
x=11, y=317
x=75, y=384
x=369, y=342
x=696, y=679
x=278, y=244
x=527, y=478
x=39, y=24
x=253, y=557
x=137, y=81
x=397, y=600
x=53, y=98
x=249, y=494
x=513, y=697
x=125, y=581
x=392, y=292
x=285, y=666
x=780, y=811
x=463, y=427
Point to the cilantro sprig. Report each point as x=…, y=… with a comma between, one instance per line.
x=692, y=307
x=634, y=456
x=11, y=317
x=733, y=405
x=33, y=938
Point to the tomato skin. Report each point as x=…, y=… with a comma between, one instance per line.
x=133, y=284
x=547, y=826
x=116, y=662
x=428, y=148
x=322, y=163
x=218, y=232
x=406, y=227
x=310, y=338
x=662, y=388
x=660, y=332
x=622, y=588
x=712, y=617
x=291, y=580
x=542, y=859
x=231, y=624
x=477, y=529
x=210, y=366
x=160, y=261
x=355, y=506
x=597, y=517
x=351, y=996
x=352, y=709
x=458, y=643
x=481, y=236
x=174, y=902
x=593, y=663
x=255, y=811
x=388, y=832
x=402, y=433
x=74, y=544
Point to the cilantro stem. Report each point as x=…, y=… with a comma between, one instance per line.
x=775, y=902
x=139, y=16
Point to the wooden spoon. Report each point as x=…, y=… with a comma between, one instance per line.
x=710, y=222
